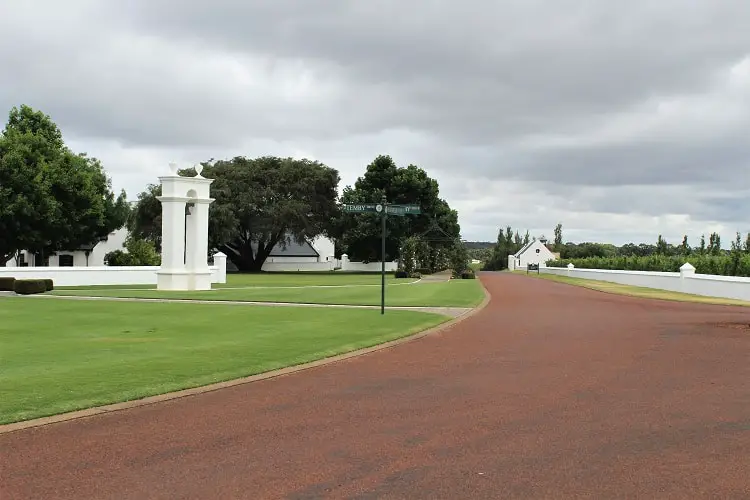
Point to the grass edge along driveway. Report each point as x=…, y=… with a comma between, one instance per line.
x=635, y=291
x=58, y=356
x=453, y=293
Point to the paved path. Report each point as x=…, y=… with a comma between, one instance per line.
x=552, y=391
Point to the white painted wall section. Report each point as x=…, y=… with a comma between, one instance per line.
x=686, y=281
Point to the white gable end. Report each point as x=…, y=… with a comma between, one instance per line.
x=533, y=253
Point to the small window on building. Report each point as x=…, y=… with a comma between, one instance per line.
x=65, y=260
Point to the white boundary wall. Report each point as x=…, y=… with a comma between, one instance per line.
x=298, y=266
x=686, y=281
x=294, y=265
x=104, y=275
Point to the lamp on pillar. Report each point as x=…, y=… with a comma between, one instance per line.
x=184, y=255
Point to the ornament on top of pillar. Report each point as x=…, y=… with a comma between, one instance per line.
x=173, y=168
x=198, y=170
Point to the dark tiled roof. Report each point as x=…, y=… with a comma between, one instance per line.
x=293, y=249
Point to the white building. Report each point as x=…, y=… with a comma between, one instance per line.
x=87, y=256
x=535, y=252
x=319, y=250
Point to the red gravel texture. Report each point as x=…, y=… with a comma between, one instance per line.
x=552, y=391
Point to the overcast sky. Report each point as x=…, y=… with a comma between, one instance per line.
x=621, y=120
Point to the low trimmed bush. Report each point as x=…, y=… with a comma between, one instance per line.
x=423, y=270
x=7, y=284
x=468, y=275
x=49, y=284
x=402, y=274
x=30, y=287
x=415, y=275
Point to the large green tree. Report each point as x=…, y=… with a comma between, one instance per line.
x=51, y=199
x=360, y=234
x=259, y=203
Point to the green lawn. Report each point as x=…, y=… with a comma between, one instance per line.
x=635, y=291
x=275, y=280
x=63, y=355
x=455, y=293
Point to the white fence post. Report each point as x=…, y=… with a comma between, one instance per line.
x=686, y=271
x=220, y=261
x=344, y=262
x=570, y=268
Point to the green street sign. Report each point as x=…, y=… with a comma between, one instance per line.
x=363, y=207
x=401, y=210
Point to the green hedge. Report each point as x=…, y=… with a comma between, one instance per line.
x=734, y=264
x=6, y=284
x=49, y=284
x=29, y=287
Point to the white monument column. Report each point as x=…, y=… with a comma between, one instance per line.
x=182, y=251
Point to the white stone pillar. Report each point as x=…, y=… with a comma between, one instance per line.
x=184, y=253
x=198, y=245
x=172, y=234
x=570, y=268
x=344, y=262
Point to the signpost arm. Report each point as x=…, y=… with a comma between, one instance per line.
x=382, y=257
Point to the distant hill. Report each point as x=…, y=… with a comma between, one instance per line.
x=478, y=245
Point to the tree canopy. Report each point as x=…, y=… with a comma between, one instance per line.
x=360, y=234
x=51, y=199
x=259, y=203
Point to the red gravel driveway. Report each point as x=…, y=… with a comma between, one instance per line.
x=552, y=391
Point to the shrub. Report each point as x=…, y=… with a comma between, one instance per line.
x=6, y=284
x=415, y=275
x=423, y=270
x=29, y=287
x=137, y=253
x=49, y=284
x=468, y=275
x=402, y=274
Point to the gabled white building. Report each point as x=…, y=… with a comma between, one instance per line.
x=535, y=252
x=86, y=256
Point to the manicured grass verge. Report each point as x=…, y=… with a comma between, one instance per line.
x=274, y=279
x=455, y=293
x=636, y=291
x=63, y=355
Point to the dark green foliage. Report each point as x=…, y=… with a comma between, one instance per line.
x=402, y=274
x=29, y=287
x=468, y=275
x=459, y=258
x=51, y=199
x=587, y=249
x=360, y=234
x=507, y=244
x=558, y=238
x=6, y=284
x=139, y=253
x=49, y=284
x=423, y=270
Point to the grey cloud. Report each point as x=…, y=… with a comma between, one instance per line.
x=460, y=87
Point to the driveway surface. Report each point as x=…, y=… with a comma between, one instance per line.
x=552, y=391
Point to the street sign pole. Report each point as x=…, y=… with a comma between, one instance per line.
x=383, y=208
x=382, y=257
